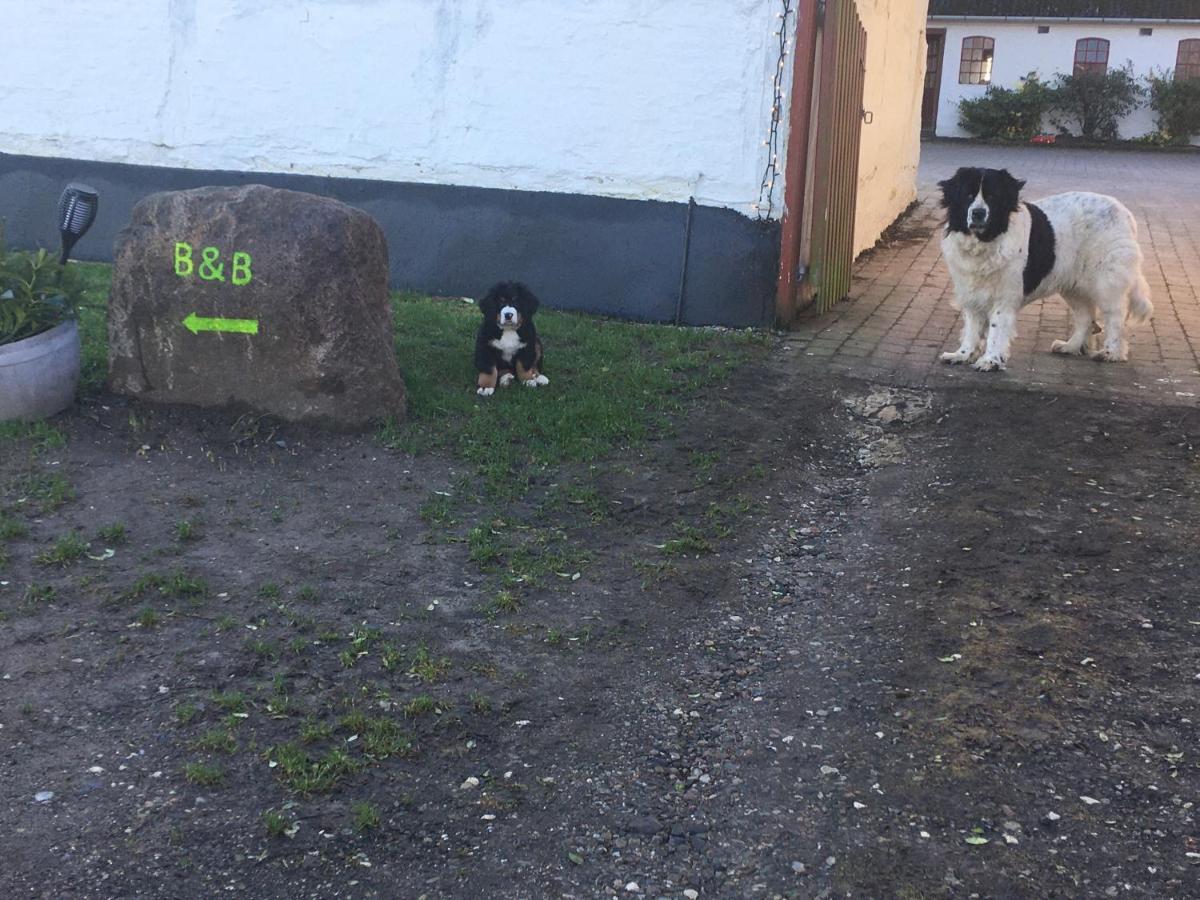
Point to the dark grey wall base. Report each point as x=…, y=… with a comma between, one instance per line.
x=593, y=254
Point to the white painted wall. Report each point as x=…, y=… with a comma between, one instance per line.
x=891, y=144
x=1021, y=50
x=654, y=99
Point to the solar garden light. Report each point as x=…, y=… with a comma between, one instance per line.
x=76, y=212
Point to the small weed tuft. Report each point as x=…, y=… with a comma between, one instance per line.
x=185, y=712
x=68, y=549
x=420, y=706
x=217, y=740
x=206, y=774
x=230, y=701
x=505, y=601
x=365, y=816
x=426, y=668
x=691, y=540
x=10, y=528
x=277, y=824
x=113, y=534
x=50, y=490
x=312, y=731
x=306, y=775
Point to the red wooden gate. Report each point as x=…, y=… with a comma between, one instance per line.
x=821, y=232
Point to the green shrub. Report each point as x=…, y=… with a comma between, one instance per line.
x=1096, y=102
x=36, y=294
x=1007, y=114
x=1177, y=105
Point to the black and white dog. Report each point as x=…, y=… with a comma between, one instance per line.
x=1004, y=253
x=507, y=346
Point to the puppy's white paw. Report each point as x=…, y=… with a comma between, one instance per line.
x=988, y=364
x=1109, y=355
x=531, y=383
x=955, y=357
x=506, y=379
x=542, y=380
x=485, y=392
x=1066, y=349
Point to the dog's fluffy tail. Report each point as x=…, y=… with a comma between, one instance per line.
x=1140, y=307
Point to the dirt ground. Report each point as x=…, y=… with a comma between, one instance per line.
x=911, y=645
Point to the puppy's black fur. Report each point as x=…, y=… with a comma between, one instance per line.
x=508, y=345
x=1001, y=192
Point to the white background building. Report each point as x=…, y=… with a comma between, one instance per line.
x=1045, y=37
x=557, y=142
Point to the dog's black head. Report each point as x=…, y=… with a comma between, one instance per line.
x=980, y=201
x=509, y=304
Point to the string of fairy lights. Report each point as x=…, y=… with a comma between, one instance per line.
x=766, y=192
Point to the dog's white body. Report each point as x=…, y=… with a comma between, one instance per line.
x=1097, y=269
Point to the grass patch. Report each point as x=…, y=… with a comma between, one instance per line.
x=113, y=534
x=148, y=618
x=50, y=490
x=230, y=701
x=37, y=595
x=206, y=774
x=41, y=435
x=306, y=775
x=217, y=740
x=312, y=731
x=611, y=382
x=438, y=510
x=11, y=528
x=422, y=705
x=277, y=824
x=427, y=668
x=365, y=816
x=654, y=571
x=177, y=585
x=505, y=601
x=691, y=540
x=523, y=556
x=68, y=549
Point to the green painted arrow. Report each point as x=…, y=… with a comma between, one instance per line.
x=196, y=324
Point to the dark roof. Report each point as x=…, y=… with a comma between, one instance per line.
x=1074, y=9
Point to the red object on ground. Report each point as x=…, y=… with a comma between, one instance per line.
x=1043, y=139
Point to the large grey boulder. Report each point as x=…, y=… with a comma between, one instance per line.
x=255, y=298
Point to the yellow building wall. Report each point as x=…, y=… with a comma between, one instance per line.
x=891, y=145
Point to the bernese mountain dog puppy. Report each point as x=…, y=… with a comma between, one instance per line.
x=507, y=346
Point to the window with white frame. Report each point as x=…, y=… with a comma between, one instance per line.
x=975, y=66
x=1091, y=56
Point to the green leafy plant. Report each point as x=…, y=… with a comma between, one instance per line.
x=1176, y=102
x=1096, y=101
x=36, y=294
x=1007, y=114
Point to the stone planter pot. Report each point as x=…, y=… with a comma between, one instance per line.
x=39, y=375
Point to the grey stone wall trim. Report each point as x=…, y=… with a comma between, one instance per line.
x=592, y=254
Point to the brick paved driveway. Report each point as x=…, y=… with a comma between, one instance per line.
x=899, y=318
